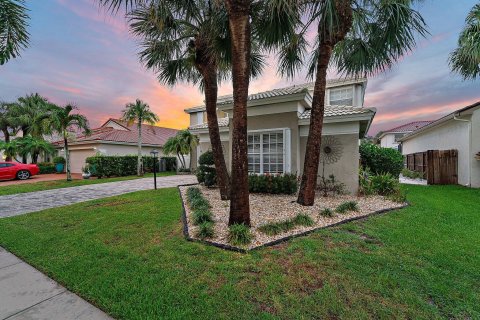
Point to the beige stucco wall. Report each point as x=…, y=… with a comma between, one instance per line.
x=346, y=169
x=450, y=135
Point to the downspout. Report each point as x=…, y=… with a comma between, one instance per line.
x=469, y=146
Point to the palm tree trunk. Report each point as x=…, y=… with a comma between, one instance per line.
x=6, y=134
x=35, y=156
x=211, y=92
x=306, y=195
x=240, y=30
x=139, y=150
x=67, y=158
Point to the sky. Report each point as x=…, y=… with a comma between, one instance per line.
x=81, y=54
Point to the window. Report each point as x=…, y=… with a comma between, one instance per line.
x=342, y=96
x=266, y=152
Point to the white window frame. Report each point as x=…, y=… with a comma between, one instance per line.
x=286, y=147
x=347, y=89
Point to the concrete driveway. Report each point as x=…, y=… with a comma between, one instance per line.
x=16, y=204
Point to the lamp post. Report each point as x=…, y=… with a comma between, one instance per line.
x=154, y=153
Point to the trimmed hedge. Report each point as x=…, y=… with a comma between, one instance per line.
x=118, y=166
x=381, y=160
x=46, y=167
x=206, y=172
x=59, y=159
x=275, y=184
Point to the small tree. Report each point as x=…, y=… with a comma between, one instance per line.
x=139, y=112
x=33, y=146
x=180, y=145
x=62, y=120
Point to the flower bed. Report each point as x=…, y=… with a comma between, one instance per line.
x=270, y=209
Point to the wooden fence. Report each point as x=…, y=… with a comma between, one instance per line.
x=437, y=166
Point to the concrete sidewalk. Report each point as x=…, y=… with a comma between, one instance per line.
x=26, y=293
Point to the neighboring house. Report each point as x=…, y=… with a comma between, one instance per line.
x=389, y=138
x=278, y=124
x=114, y=137
x=459, y=130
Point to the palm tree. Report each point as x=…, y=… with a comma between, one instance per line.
x=181, y=144
x=139, y=112
x=33, y=146
x=10, y=149
x=240, y=33
x=32, y=114
x=62, y=120
x=465, y=60
x=7, y=126
x=358, y=38
x=13, y=29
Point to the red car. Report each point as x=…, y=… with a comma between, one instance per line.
x=14, y=170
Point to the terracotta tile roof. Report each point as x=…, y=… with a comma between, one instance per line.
x=151, y=135
x=222, y=122
x=332, y=111
x=409, y=127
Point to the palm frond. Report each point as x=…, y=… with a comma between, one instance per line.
x=14, y=36
x=465, y=59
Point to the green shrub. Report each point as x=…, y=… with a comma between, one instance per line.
x=303, y=220
x=201, y=215
x=365, y=184
x=347, y=206
x=205, y=230
x=170, y=163
x=381, y=160
x=327, y=212
x=275, y=184
x=206, y=172
x=199, y=203
x=46, y=167
x=59, y=160
x=275, y=228
x=411, y=174
x=206, y=159
x=239, y=235
x=384, y=184
x=118, y=166
x=193, y=192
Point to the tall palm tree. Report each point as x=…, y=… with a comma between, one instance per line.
x=13, y=29
x=358, y=38
x=7, y=125
x=187, y=40
x=465, y=60
x=62, y=121
x=139, y=112
x=32, y=114
x=241, y=35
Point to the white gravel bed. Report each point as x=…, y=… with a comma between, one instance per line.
x=266, y=208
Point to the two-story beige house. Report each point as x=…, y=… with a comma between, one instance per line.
x=278, y=125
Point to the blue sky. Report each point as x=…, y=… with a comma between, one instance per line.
x=80, y=54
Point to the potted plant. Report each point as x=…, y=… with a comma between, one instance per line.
x=59, y=164
x=86, y=174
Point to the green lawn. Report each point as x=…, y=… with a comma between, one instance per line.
x=127, y=255
x=56, y=184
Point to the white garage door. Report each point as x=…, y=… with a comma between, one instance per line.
x=77, y=159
